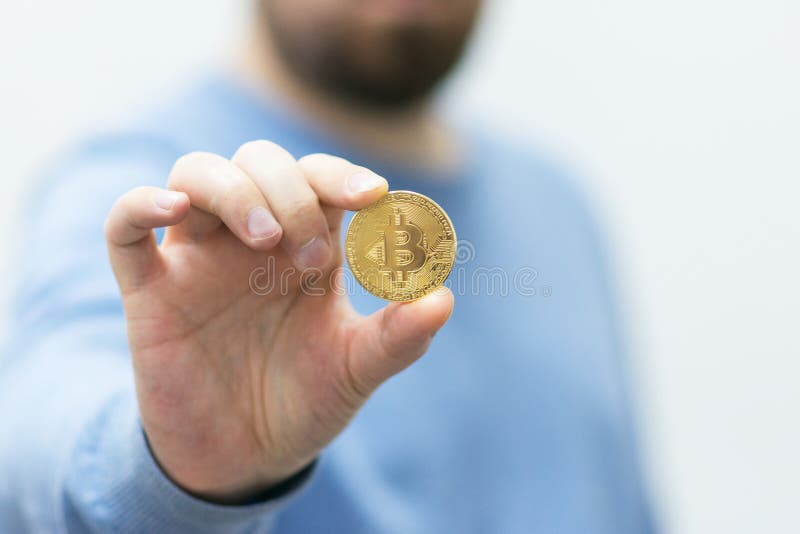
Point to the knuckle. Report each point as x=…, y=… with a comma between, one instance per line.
x=182, y=165
x=193, y=158
x=254, y=150
x=303, y=210
x=317, y=161
x=289, y=181
x=137, y=199
x=138, y=191
x=118, y=212
x=108, y=227
x=126, y=201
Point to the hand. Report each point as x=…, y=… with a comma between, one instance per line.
x=237, y=390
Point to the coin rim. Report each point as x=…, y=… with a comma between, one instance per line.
x=383, y=199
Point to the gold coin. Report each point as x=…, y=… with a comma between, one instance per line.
x=402, y=247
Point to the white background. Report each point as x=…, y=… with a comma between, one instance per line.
x=683, y=115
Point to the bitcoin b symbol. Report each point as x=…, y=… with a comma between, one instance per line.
x=402, y=245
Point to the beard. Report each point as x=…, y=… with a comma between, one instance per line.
x=384, y=67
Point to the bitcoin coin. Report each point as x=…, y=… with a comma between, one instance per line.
x=402, y=247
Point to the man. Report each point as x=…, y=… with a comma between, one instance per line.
x=258, y=409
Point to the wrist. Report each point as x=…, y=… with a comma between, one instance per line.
x=211, y=486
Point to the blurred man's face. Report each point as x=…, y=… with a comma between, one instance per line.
x=380, y=53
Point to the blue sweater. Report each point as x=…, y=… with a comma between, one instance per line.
x=516, y=420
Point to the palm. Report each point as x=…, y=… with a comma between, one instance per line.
x=251, y=356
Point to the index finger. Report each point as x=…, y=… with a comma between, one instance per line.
x=341, y=184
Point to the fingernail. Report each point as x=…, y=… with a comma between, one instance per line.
x=261, y=224
x=315, y=253
x=165, y=199
x=364, y=181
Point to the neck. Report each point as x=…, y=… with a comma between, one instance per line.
x=416, y=134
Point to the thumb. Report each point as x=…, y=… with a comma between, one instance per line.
x=129, y=227
x=394, y=337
